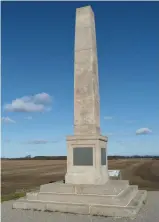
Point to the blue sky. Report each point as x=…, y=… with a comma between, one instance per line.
x=37, y=76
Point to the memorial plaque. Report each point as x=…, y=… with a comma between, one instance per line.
x=103, y=156
x=83, y=156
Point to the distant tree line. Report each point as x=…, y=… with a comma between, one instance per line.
x=133, y=157
x=115, y=157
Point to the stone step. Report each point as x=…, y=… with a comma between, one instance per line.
x=139, y=199
x=91, y=209
x=112, y=187
x=123, y=198
x=128, y=194
x=118, y=211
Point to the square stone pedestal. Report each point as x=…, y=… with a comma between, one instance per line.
x=87, y=160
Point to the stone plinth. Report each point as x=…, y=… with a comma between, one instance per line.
x=87, y=160
x=115, y=198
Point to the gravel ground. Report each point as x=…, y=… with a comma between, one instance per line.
x=149, y=213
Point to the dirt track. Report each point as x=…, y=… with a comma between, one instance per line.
x=27, y=174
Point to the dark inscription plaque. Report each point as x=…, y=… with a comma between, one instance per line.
x=103, y=156
x=83, y=156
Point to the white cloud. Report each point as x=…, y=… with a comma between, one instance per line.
x=143, y=131
x=43, y=98
x=36, y=103
x=108, y=117
x=29, y=117
x=19, y=105
x=7, y=120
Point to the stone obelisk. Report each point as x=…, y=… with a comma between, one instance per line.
x=87, y=188
x=86, y=159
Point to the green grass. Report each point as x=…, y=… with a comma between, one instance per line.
x=13, y=196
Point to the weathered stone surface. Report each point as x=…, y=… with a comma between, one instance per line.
x=96, y=174
x=116, y=198
x=86, y=89
x=110, y=188
x=86, y=106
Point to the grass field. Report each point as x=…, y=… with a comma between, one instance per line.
x=22, y=175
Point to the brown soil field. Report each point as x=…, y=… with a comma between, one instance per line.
x=28, y=174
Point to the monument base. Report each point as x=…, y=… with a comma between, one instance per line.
x=87, y=159
x=116, y=198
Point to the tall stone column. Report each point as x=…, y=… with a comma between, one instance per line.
x=86, y=159
x=86, y=87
